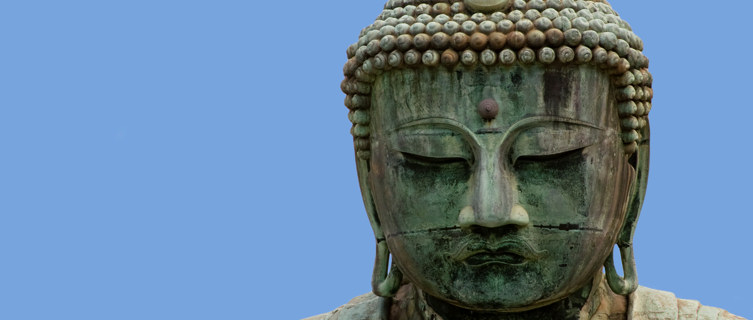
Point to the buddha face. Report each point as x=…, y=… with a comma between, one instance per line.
x=501, y=210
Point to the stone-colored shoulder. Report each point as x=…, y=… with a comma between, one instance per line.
x=643, y=304
x=363, y=307
x=650, y=304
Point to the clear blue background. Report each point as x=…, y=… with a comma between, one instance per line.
x=191, y=159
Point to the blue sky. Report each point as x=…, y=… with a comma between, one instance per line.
x=192, y=159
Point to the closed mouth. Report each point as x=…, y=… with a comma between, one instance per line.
x=512, y=252
x=496, y=257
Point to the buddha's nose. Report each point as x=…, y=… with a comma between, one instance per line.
x=494, y=200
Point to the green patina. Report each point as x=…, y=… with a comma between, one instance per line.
x=502, y=152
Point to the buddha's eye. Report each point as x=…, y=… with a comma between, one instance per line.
x=552, y=142
x=432, y=161
x=549, y=158
x=431, y=146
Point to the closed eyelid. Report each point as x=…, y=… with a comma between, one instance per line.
x=435, y=144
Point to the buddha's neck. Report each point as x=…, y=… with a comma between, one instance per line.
x=566, y=309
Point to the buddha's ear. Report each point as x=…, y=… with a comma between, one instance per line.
x=639, y=161
x=385, y=281
x=362, y=166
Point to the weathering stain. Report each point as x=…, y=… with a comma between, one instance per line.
x=557, y=91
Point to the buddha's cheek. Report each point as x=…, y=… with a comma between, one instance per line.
x=576, y=208
x=415, y=198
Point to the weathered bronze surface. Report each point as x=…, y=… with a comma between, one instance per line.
x=502, y=152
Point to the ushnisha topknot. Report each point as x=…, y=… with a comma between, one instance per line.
x=450, y=33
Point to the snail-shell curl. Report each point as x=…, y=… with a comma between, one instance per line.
x=433, y=33
x=583, y=16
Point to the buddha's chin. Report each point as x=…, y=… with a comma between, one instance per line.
x=506, y=308
x=501, y=303
x=508, y=296
x=508, y=301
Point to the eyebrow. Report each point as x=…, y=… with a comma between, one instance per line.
x=446, y=123
x=525, y=122
x=444, y=133
x=471, y=137
x=449, y=122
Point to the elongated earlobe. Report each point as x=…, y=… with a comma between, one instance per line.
x=385, y=281
x=627, y=284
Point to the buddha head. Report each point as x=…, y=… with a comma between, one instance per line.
x=502, y=147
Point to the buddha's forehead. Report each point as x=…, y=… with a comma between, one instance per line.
x=579, y=92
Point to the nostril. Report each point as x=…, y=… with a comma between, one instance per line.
x=466, y=218
x=519, y=216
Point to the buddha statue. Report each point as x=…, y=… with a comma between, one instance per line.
x=502, y=150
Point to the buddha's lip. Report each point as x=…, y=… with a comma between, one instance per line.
x=499, y=257
x=510, y=251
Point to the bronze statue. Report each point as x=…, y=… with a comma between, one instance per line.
x=502, y=152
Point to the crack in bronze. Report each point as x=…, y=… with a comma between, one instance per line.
x=563, y=227
x=421, y=231
x=569, y=227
